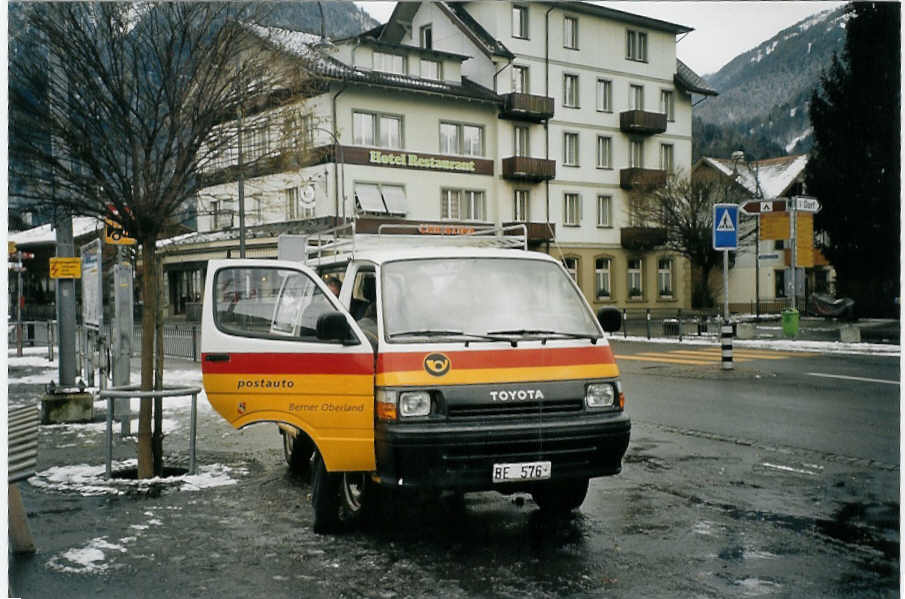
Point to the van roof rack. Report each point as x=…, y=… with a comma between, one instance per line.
x=339, y=244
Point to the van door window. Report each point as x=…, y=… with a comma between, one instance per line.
x=268, y=302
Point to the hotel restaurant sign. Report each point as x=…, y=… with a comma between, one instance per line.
x=413, y=160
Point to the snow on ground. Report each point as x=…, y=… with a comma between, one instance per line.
x=86, y=480
x=829, y=347
x=88, y=559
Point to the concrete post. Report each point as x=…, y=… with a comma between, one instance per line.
x=66, y=313
x=122, y=331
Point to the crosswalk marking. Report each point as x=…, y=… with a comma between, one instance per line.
x=710, y=355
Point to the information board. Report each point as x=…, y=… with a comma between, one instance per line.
x=92, y=302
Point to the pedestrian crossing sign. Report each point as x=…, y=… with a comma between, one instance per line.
x=725, y=226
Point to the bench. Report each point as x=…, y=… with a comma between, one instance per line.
x=22, y=428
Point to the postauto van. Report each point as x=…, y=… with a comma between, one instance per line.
x=436, y=368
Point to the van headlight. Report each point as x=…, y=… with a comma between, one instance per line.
x=600, y=395
x=414, y=403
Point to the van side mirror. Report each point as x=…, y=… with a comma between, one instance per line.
x=610, y=319
x=333, y=326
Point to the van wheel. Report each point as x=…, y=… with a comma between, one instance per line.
x=339, y=499
x=299, y=452
x=562, y=496
x=324, y=497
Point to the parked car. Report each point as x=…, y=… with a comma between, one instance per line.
x=823, y=304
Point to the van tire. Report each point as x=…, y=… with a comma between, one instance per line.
x=299, y=452
x=324, y=497
x=560, y=497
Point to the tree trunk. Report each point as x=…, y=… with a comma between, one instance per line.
x=157, y=439
x=148, y=319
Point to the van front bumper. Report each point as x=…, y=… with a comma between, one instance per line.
x=443, y=455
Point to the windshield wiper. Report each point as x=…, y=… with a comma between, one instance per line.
x=445, y=333
x=535, y=332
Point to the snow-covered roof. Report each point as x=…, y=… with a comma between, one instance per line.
x=301, y=45
x=47, y=235
x=774, y=175
x=691, y=81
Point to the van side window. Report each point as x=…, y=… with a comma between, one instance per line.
x=268, y=302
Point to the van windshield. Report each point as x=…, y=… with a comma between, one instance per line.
x=501, y=297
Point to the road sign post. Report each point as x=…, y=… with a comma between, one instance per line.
x=725, y=238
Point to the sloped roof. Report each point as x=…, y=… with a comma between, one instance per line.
x=482, y=37
x=774, y=175
x=621, y=16
x=47, y=235
x=301, y=45
x=691, y=81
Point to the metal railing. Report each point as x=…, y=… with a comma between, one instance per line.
x=664, y=322
x=131, y=391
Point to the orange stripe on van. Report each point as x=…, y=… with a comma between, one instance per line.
x=497, y=366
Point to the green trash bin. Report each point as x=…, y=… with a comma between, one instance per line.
x=790, y=323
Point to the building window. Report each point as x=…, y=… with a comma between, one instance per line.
x=431, y=69
x=604, y=152
x=570, y=149
x=664, y=277
x=520, y=80
x=427, y=37
x=667, y=105
x=571, y=265
x=604, y=95
x=636, y=153
x=460, y=204
x=635, y=288
x=380, y=199
x=520, y=22
x=520, y=206
x=636, y=45
x=666, y=158
x=635, y=97
x=570, y=91
x=779, y=279
x=458, y=138
x=570, y=33
x=602, y=278
x=571, y=210
x=389, y=63
x=604, y=211
x=370, y=129
x=520, y=143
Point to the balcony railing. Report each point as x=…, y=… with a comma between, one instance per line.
x=537, y=232
x=522, y=168
x=639, y=178
x=641, y=122
x=527, y=107
x=642, y=238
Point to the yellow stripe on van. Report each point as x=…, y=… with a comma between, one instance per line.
x=473, y=376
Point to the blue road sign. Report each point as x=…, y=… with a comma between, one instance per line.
x=725, y=227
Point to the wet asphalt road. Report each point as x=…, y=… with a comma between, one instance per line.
x=714, y=501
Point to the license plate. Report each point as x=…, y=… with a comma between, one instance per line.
x=521, y=471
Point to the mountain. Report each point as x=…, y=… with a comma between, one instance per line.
x=341, y=19
x=764, y=92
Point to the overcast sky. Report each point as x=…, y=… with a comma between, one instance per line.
x=722, y=30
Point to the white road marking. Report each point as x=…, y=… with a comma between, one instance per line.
x=853, y=378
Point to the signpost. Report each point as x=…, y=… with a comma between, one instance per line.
x=18, y=268
x=725, y=238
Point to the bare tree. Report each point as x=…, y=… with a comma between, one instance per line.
x=682, y=210
x=119, y=113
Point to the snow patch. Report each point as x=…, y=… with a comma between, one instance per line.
x=827, y=347
x=89, y=559
x=88, y=480
x=807, y=132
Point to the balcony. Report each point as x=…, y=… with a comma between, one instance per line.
x=526, y=107
x=639, y=178
x=537, y=232
x=642, y=123
x=642, y=238
x=522, y=168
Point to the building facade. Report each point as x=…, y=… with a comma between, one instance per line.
x=550, y=114
x=760, y=278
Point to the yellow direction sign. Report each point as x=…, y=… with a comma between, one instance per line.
x=66, y=268
x=114, y=234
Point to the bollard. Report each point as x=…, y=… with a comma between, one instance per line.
x=648, y=323
x=50, y=340
x=624, y=324
x=679, y=318
x=726, y=345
